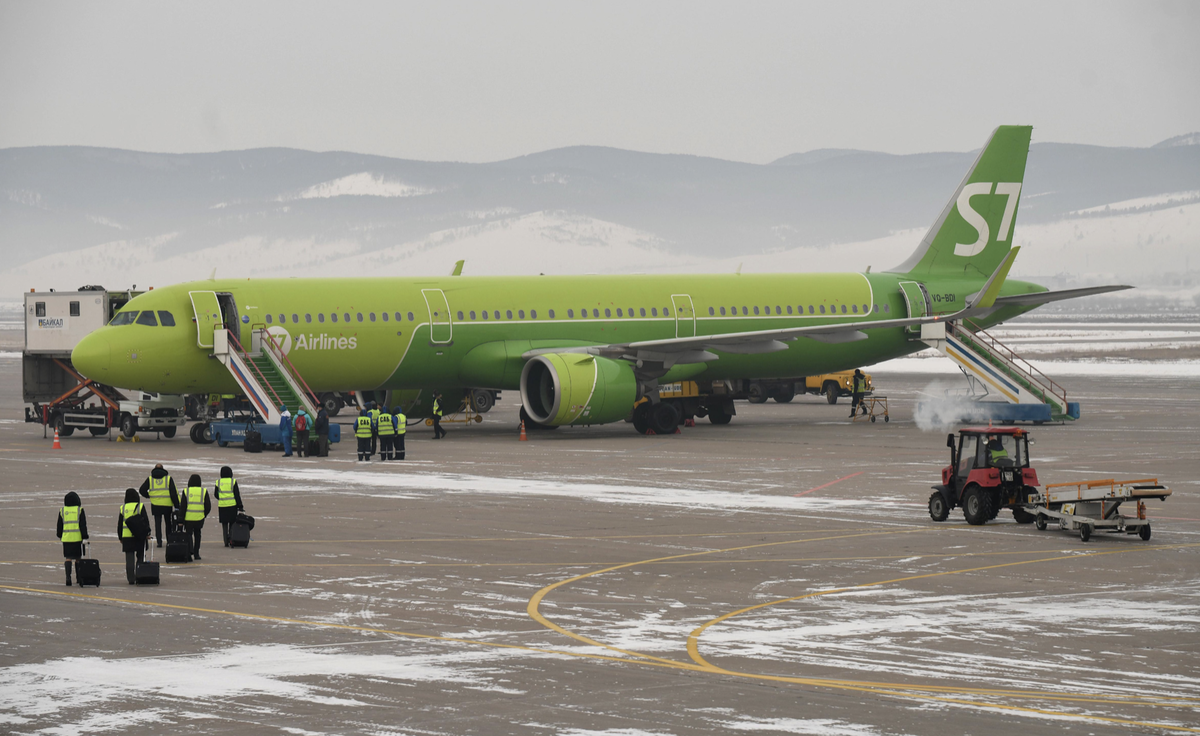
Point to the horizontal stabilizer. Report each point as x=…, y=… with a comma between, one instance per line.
x=1045, y=297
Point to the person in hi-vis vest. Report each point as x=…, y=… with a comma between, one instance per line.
x=437, y=412
x=363, y=432
x=159, y=487
x=72, y=529
x=386, y=430
x=229, y=501
x=195, y=504
x=133, y=546
x=400, y=422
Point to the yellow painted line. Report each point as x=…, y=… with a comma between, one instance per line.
x=536, y=600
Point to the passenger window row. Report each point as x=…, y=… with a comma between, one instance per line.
x=146, y=317
x=344, y=317
x=812, y=309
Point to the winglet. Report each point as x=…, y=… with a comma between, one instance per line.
x=986, y=297
x=458, y=268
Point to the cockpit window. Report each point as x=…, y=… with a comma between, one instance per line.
x=124, y=318
x=166, y=318
x=147, y=318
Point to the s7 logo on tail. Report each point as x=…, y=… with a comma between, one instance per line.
x=1012, y=192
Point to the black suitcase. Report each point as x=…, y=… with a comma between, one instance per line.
x=87, y=571
x=179, y=546
x=253, y=441
x=243, y=518
x=146, y=573
x=239, y=534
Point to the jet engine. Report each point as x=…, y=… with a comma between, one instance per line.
x=558, y=389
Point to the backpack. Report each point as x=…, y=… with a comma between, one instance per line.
x=301, y=423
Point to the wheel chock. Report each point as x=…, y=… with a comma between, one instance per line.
x=120, y=438
x=650, y=432
x=135, y=438
x=678, y=430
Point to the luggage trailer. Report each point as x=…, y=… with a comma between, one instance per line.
x=1091, y=505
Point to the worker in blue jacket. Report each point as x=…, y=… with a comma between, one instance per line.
x=285, y=430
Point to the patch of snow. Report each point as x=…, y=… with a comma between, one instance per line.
x=1158, y=200
x=808, y=726
x=363, y=184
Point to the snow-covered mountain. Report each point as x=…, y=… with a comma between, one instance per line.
x=74, y=215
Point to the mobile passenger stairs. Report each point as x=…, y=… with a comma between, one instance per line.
x=269, y=380
x=1002, y=386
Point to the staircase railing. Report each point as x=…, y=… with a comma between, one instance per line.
x=262, y=379
x=283, y=360
x=1014, y=362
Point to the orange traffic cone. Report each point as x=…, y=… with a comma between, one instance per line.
x=523, y=437
x=57, y=444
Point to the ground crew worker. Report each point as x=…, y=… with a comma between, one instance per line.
x=159, y=487
x=859, y=387
x=285, y=430
x=996, y=451
x=400, y=422
x=373, y=412
x=133, y=545
x=229, y=501
x=438, y=432
x=386, y=429
x=195, y=503
x=72, y=529
x=362, y=432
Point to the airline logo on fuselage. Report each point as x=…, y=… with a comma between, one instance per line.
x=325, y=342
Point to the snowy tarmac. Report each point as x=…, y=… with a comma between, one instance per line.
x=777, y=575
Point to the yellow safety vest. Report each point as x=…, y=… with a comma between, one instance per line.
x=195, y=504
x=362, y=428
x=437, y=407
x=160, y=491
x=374, y=414
x=860, y=384
x=225, y=497
x=998, y=454
x=401, y=424
x=70, y=519
x=128, y=510
x=385, y=425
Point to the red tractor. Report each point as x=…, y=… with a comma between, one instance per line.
x=988, y=471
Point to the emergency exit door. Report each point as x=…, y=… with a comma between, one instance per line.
x=685, y=315
x=440, y=327
x=208, y=316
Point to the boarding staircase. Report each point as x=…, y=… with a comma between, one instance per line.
x=995, y=369
x=265, y=374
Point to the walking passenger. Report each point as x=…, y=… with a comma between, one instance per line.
x=159, y=487
x=133, y=529
x=321, y=426
x=362, y=432
x=438, y=432
x=285, y=430
x=302, y=425
x=385, y=428
x=229, y=501
x=400, y=422
x=72, y=529
x=195, y=505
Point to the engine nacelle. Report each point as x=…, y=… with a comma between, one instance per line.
x=558, y=389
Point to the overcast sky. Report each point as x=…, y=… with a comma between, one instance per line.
x=487, y=81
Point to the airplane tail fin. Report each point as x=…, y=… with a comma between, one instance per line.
x=974, y=233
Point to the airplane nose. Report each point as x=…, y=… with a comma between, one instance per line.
x=91, y=356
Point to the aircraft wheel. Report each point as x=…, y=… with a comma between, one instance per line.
x=938, y=508
x=483, y=400
x=977, y=506
x=1144, y=532
x=1040, y=523
x=331, y=403
x=641, y=418
x=664, y=418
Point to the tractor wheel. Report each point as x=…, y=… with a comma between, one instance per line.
x=831, y=392
x=938, y=508
x=1144, y=532
x=1040, y=523
x=1085, y=532
x=1021, y=516
x=977, y=506
x=994, y=498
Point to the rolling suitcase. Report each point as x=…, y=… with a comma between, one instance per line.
x=87, y=571
x=179, y=546
x=253, y=441
x=146, y=573
x=239, y=535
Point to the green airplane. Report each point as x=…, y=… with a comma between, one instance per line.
x=586, y=349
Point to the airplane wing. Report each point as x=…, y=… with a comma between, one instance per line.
x=1044, y=297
